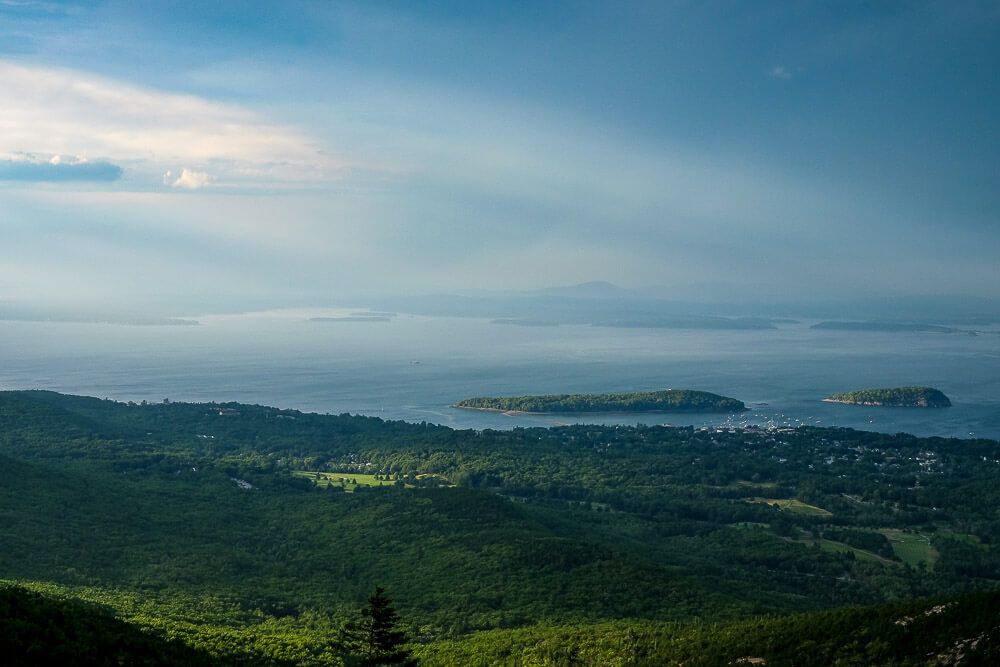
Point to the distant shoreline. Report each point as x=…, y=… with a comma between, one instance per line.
x=509, y=413
x=845, y=402
x=873, y=404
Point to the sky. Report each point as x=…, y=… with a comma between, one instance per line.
x=191, y=156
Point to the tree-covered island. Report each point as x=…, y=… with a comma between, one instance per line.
x=896, y=397
x=667, y=400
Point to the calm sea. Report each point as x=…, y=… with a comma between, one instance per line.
x=414, y=368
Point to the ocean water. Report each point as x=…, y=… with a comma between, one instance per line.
x=414, y=368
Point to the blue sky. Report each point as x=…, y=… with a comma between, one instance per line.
x=197, y=153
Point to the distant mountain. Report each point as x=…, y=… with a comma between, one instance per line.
x=598, y=289
x=596, y=304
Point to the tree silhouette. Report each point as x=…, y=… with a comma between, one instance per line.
x=376, y=639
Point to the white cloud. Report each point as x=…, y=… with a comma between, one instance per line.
x=63, y=112
x=188, y=179
x=779, y=72
x=34, y=167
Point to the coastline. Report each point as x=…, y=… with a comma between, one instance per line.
x=509, y=413
x=873, y=404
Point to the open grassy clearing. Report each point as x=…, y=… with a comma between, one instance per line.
x=351, y=480
x=348, y=480
x=911, y=548
x=791, y=505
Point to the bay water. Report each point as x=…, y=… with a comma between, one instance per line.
x=414, y=368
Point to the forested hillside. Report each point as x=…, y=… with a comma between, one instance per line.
x=963, y=631
x=46, y=628
x=221, y=525
x=39, y=630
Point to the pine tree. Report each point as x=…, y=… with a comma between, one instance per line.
x=376, y=639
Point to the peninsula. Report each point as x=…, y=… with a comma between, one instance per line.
x=668, y=400
x=896, y=397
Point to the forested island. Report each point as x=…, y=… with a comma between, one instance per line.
x=253, y=535
x=895, y=397
x=667, y=400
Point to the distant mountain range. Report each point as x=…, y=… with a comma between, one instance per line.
x=597, y=303
x=606, y=304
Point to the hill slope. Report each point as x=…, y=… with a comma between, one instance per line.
x=36, y=629
x=963, y=631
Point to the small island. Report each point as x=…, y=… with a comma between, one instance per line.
x=668, y=400
x=896, y=397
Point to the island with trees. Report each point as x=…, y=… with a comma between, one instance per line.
x=896, y=397
x=667, y=400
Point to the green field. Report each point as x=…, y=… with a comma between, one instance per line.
x=792, y=505
x=348, y=480
x=912, y=548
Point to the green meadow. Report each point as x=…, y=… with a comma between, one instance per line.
x=912, y=548
x=349, y=481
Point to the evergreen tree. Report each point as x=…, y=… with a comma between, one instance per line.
x=376, y=639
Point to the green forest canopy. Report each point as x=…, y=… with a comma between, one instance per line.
x=923, y=397
x=668, y=400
